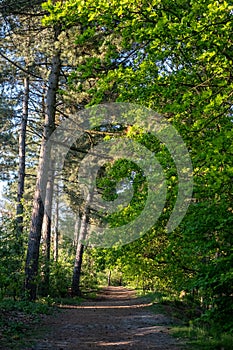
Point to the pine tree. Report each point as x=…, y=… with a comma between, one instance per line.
x=32, y=260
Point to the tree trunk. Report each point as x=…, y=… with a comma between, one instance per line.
x=76, y=230
x=109, y=278
x=32, y=259
x=77, y=270
x=22, y=155
x=46, y=233
x=56, y=222
x=79, y=252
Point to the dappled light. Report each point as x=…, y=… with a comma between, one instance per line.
x=96, y=306
x=119, y=343
x=114, y=321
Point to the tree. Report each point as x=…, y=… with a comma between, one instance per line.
x=176, y=57
x=17, y=82
x=23, y=24
x=31, y=268
x=22, y=157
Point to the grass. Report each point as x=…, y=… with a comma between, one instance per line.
x=90, y=294
x=184, y=315
x=201, y=339
x=67, y=301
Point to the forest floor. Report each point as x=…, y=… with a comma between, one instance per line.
x=115, y=320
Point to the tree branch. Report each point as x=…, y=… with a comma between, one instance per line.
x=19, y=67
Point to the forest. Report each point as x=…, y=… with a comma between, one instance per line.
x=87, y=89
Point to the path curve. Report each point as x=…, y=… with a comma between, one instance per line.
x=117, y=320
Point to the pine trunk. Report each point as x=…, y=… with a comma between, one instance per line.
x=56, y=223
x=22, y=155
x=77, y=270
x=32, y=259
x=79, y=252
x=76, y=230
x=46, y=234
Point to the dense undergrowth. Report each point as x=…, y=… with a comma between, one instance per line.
x=19, y=319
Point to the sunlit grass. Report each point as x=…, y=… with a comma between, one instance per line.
x=201, y=339
x=198, y=336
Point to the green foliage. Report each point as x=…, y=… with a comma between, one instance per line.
x=37, y=308
x=7, y=137
x=197, y=333
x=60, y=276
x=60, y=279
x=201, y=338
x=11, y=256
x=17, y=319
x=89, y=279
x=130, y=175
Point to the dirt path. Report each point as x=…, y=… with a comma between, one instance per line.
x=117, y=320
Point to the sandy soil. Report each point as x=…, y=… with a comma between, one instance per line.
x=117, y=320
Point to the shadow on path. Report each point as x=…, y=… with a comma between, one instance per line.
x=116, y=320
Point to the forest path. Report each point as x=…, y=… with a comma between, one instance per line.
x=116, y=320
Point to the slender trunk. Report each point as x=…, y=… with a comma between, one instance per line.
x=77, y=270
x=46, y=233
x=32, y=259
x=109, y=278
x=56, y=230
x=22, y=155
x=76, y=229
x=79, y=252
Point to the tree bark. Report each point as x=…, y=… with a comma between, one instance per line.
x=46, y=233
x=79, y=251
x=32, y=259
x=76, y=230
x=22, y=156
x=56, y=223
x=109, y=278
x=77, y=270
